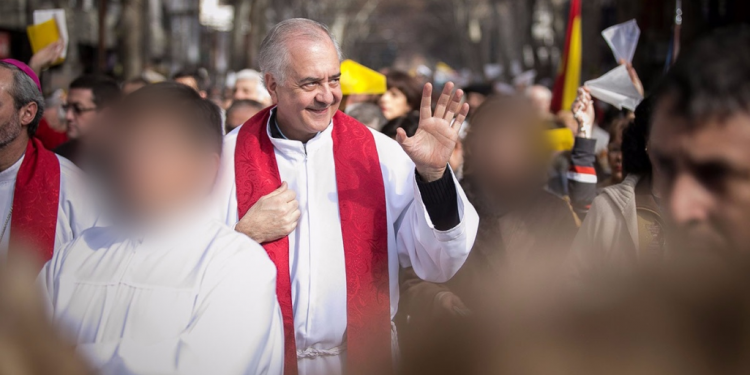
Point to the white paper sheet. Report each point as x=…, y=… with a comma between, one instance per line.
x=623, y=39
x=44, y=15
x=616, y=88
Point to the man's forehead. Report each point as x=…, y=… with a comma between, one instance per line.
x=80, y=93
x=312, y=59
x=716, y=139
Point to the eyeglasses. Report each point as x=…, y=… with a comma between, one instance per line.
x=76, y=108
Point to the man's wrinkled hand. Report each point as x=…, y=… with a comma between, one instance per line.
x=272, y=217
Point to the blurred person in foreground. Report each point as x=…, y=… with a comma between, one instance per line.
x=700, y=137
x=30, y=344
x=248, y=85
x=240, y=111
x=367, y=113
x=88, y=99
x=167, y=289
x=43, y=203
x=679, y=318
x=340, y=207
x=403, y=96
x=520, y=224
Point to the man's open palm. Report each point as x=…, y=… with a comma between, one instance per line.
x=430, y=148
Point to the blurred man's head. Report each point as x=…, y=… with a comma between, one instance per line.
x=700, y=142
x=541, y=97
x=21, y=105
x=248, y=85
x=133, y=84
x=300, y=62
x=504, y=150
x=241, y=111
x=194, y=79
x=165, y=151
x=368, y=114
x=88, y=96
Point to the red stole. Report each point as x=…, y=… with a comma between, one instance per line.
x=35, y=201
x=362, y=210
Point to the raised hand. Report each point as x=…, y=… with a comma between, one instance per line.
x=46, y=56
x=273, y=216
x=583, y=111
x=430, y=148
x=633, y=76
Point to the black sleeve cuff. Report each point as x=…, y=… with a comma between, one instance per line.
x=440, y=198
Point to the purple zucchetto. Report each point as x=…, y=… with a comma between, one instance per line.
x=26, y=69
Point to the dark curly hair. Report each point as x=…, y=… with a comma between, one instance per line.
x=634, y=140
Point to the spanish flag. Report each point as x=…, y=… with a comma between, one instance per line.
x=569, y=74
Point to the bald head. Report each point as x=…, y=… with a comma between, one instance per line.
x=274, y=56
x=541, y=97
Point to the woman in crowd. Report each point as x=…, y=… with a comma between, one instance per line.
x=403, y=96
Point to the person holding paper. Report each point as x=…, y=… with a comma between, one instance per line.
x=43, y=200
x=166, y=289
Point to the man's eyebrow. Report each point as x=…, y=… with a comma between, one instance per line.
x=336, y=76
x=310, y=80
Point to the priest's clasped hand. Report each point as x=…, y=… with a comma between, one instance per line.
x=272, y=217
x=430, y=148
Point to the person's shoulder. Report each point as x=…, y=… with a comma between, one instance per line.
x=92, y=243
x=67, y=168
x=230, y=246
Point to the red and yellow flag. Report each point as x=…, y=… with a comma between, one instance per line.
x=569, y=74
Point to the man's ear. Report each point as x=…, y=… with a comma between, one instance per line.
x=27, y=113
x=271, y=86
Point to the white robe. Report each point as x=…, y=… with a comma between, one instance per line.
x=197, y=298
x=76, y=210
x=316, y=250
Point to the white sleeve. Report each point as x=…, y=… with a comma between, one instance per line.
x=236, y=327
x=435, y=255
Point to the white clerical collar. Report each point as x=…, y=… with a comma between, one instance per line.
x=11, y=173
x=291, y=147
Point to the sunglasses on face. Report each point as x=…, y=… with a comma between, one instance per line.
x=76, y=108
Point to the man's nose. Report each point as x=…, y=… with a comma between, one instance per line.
x=688, y=200
x=325, y=95
x=69, y=115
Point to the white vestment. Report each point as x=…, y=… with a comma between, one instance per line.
x=316, y=250
x=196, y=298
x=75, y=211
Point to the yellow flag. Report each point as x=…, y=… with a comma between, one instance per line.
x=359, y=79
x=43, y=34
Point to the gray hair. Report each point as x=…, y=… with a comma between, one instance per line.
x=273, y=57
x=24, y=91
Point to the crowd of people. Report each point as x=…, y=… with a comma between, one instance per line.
x=285, y=228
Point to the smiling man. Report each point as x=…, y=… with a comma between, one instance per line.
x=340, y=207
